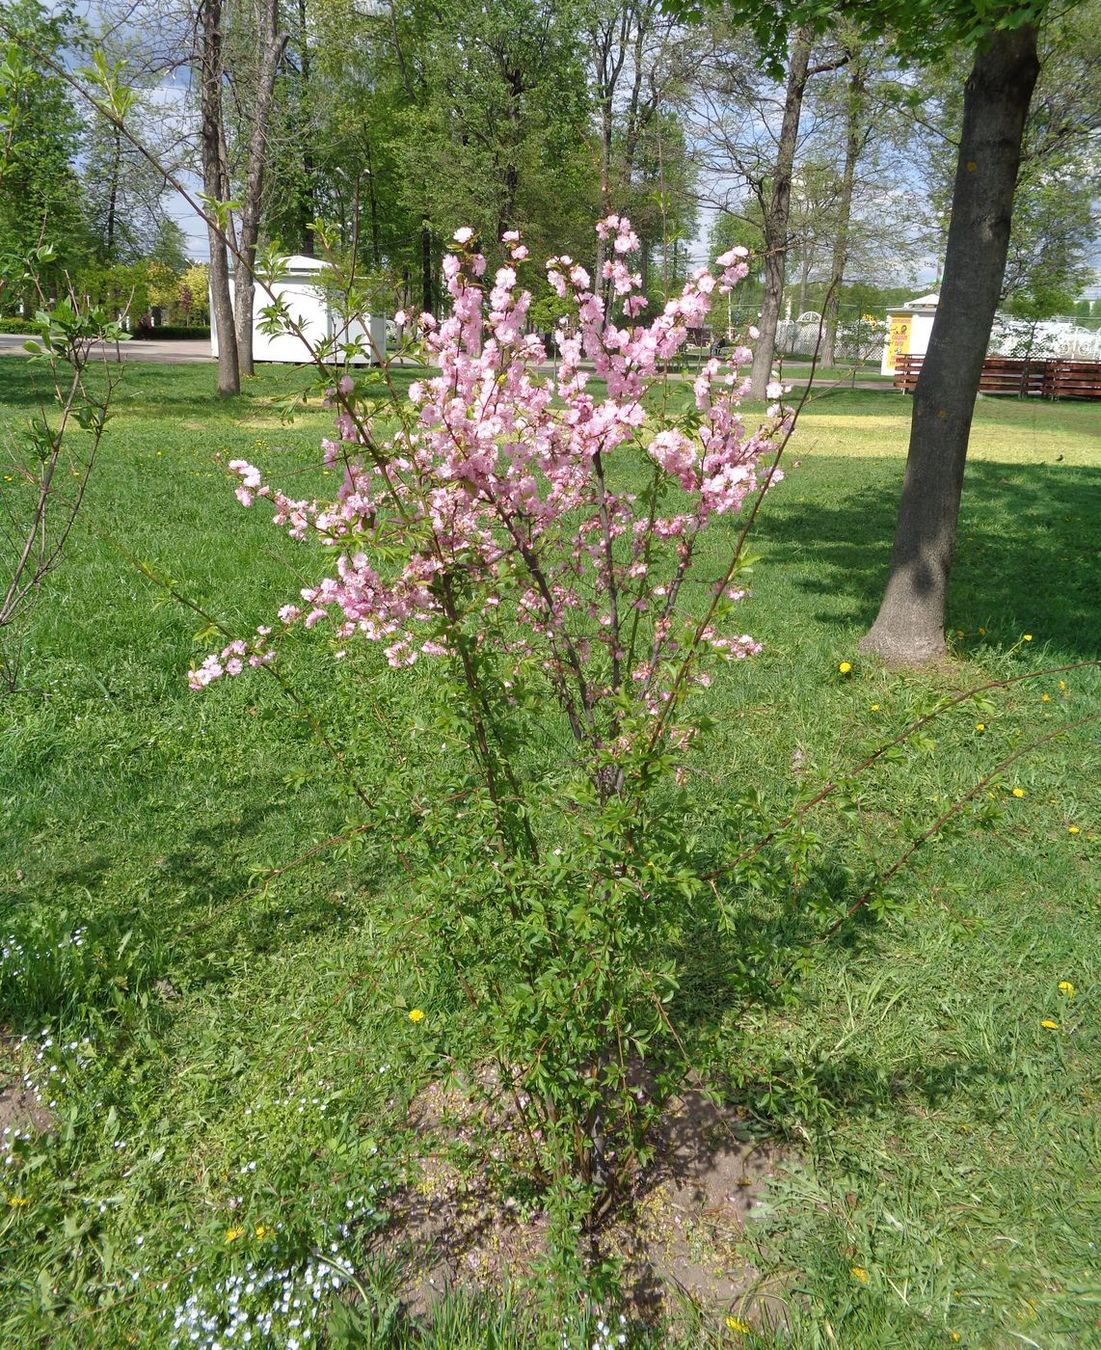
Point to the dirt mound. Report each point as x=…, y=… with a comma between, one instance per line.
x=680, y=1236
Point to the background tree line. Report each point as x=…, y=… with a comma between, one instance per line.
x=394, y=122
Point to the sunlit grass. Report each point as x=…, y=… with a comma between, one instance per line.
x=231, y=1057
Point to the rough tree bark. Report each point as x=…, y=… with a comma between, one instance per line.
x=855, y=136
x=426, y=268
x=372, y=204
x=272, y=44
x=909, y=629
x=113, y=192
x=777, y=213
x=216, y=188
x=624, y=62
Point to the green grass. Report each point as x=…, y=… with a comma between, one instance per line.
x=226, y=1056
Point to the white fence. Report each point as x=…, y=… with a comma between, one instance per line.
x=1049, y=337
x=861, y=338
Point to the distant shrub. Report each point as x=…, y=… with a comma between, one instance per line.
x=14, y=325
x=170, y=330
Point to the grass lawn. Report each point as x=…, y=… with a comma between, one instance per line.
x=226, y=1069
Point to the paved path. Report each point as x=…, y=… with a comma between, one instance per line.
x=172, y=351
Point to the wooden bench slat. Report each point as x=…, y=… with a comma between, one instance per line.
x=1048, y=377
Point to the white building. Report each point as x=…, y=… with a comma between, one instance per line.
x=299, y=289
x=908, y=330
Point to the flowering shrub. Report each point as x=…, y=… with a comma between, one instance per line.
x=538, y=542
x=47, y=465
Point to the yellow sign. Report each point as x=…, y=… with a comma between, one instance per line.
x=898, y=344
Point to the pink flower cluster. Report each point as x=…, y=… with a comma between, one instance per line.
x=526, y=507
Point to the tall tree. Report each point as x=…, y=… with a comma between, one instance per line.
x=639, y=62
x=123, y=193
x=1003, y=37
x=496, y=133
x=267, y=43
x=755, y=131
x=40, y=136
x=909, y=628
x=212, y=144
x=856, y=127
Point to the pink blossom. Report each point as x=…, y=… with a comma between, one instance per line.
x=490, y=510
x=677, y=456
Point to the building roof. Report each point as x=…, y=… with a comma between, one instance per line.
x=296, y=265
x=298, y=262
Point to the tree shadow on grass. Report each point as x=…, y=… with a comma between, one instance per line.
x=751, y=953
x=822, y=1087
x=23, y=381
x=747, y=941
x=144, y=390
x=185, y=919
x=1027, y=557
x=219, y=909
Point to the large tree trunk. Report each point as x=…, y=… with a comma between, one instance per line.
x=113, y=192
x=272, y=42
x=372, y=203
x=426, y=268
x=910, y=627
x=516, y=89
x=308, y=190
x=604, y=288
x=854, y=143
x=215, y=187
x=777, y=213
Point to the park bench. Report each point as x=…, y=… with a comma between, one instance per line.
x=1047, y=377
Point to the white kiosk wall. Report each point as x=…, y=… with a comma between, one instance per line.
x=908, y=330
x=298, y=288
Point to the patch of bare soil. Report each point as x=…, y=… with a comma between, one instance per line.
x=684, y=1236
x=22, y=1115
x=454, y=1227
x=680, y=1238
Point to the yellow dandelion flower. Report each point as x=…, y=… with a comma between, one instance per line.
x=1028, y=637
x=736, y=1325
x=18, y=1201
x=416, y=1015
x=845, y=667
x=1049, y=1024
x=980, y=726
x=955, y=1335
x=1073, y=829
x=1067, y=989
x=232, y=1234
x=261, y=1231
x=1018, y=792
x=1063, y=685
x=861, y=1274
x=875, y=707
x=1045, y=698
